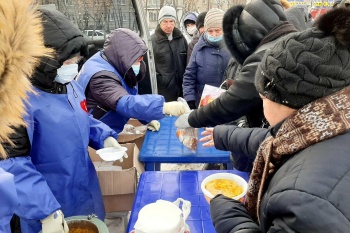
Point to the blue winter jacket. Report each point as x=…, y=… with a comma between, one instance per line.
x=206, y=66
x=111, y=85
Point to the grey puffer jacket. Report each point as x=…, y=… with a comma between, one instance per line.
x=170, y=61
x=246, y=29
x=308, y=192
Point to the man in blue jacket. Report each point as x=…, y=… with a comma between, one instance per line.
x=110, y=79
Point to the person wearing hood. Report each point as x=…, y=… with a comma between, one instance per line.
x=189, y=24
x=170, y=53
x=60, y=130
x=110, y=79
x=196, y=35
x=300, y=178
x=247, y=38
x=23, y=190
x=208, y=60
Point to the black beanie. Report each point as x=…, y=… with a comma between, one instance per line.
x=200, y=20
x=308, y=65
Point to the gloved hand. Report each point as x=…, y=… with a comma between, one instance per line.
x=192, y=104
x=153, y=125
x=54, y=223
x=182, y=121
x=112, y=142
x=175, y=108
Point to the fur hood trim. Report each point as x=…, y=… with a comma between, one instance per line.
x=336, y=23
x=21, y=48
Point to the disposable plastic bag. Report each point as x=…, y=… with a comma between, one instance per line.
x=189, y=136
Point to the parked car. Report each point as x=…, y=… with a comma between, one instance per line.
x=95, y=34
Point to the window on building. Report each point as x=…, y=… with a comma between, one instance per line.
x=68, y=2
x=111, y=16
x=124, y=17
x=152, y=16
x=153, y=2
x=122, y=2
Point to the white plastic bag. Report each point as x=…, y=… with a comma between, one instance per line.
x=189, y=136
x=164, y=217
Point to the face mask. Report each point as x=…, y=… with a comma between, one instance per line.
x=136, y=69
x=214, y=39
x=191, y=30
x=66, y=73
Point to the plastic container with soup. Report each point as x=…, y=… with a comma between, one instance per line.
x=227, y=184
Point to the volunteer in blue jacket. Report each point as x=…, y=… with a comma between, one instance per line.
x=8, y=200
x=23, y=190
x=208, y=60
x=60, y=130
x=110, y=79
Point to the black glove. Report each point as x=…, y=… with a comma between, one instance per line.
x=192, y=104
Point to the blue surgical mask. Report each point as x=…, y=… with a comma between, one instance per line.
x=213, y=39
x=136, y=69
x=66, y=73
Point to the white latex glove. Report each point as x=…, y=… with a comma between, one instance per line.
x=209, y=137
x=112, y=142
x=175, y=108
x=182, y=121
x=153, y=125
x=54, y=223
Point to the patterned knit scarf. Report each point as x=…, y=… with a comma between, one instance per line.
x=320, y=120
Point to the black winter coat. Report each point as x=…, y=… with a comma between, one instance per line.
x=228, y=138
x=308, y=192
x=170, y=61
x=243, y=40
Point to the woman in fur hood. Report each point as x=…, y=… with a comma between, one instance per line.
x=300, y=179
x=22, y=46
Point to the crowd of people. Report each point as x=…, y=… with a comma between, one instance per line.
x=288, y=75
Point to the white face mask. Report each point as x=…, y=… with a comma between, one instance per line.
x=191, y=30
x=66, y=73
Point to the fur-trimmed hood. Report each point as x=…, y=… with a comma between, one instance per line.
x=245, y=26
x=21, y=47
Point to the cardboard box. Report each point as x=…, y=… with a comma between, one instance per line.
x=118, y=184
x=137, y=138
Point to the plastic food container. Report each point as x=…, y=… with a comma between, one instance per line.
x=237, y=179
x=111, y=153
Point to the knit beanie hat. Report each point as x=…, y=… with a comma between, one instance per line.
x=200, y=20
x=167, y=12
x=308, y=65
x=213, y=19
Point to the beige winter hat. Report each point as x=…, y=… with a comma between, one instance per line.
x=213, y=19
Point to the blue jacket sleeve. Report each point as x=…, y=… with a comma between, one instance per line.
x=243, y=143
x=231, y=216
x=8, y=200
x=35, y=199
x=190, y=77
x=99, y=131
x=141, y=107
